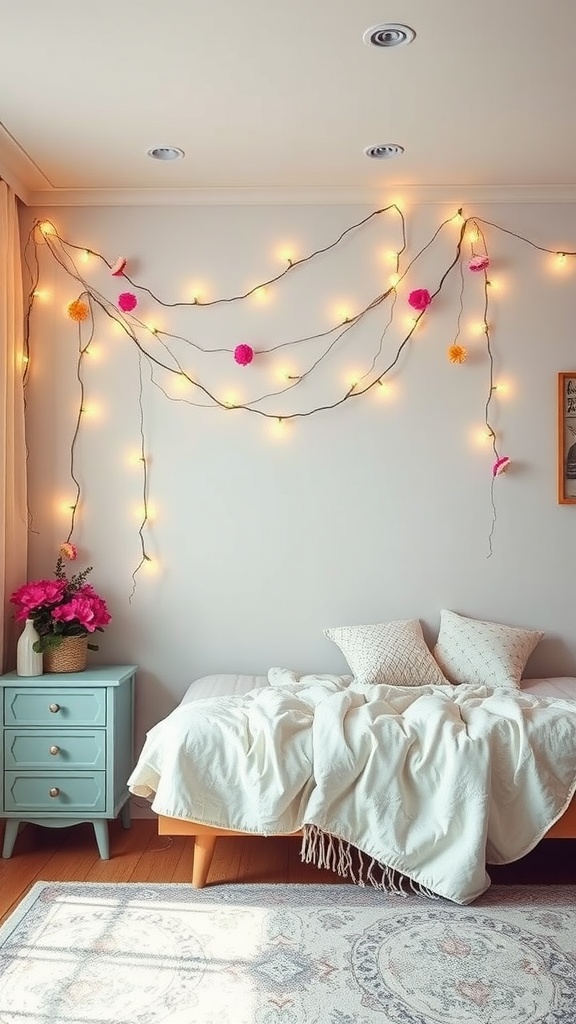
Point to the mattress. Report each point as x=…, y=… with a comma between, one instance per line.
x=228, y=684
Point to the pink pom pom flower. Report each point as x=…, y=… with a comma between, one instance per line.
x=117, y=268
x=127, y=301
x=478, y=263
x=420, y=299
x=243, y=354
x=500, y=466
x=69, y=551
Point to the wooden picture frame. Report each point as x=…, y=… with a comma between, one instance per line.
x=567, y=438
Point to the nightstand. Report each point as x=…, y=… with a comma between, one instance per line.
x=66, y=746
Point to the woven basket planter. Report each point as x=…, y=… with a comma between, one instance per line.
x=70, y=655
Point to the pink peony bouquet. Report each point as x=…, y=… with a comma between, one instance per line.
x=61, y=607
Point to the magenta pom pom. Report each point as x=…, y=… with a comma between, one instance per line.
x=478, y=263
x=420, y=299
x=127, y=301
x=243, y=354
x=501, y=465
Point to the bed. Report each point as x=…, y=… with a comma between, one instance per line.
x=209, y=689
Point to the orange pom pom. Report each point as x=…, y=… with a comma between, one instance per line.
x=78, y=310
x=457, y=354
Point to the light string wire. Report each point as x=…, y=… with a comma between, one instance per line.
x=128, y=327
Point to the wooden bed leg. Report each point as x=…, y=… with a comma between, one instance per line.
x=203, y=850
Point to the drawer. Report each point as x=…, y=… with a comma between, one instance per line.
x=75, y=792
x=31, y=706
x=55, y=748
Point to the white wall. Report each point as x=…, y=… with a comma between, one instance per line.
x=374, y=511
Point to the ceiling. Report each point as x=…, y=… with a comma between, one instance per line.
x=276, y=101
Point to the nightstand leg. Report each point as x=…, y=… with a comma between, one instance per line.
x=101, y=833
x=11, y=831
x=125, y=815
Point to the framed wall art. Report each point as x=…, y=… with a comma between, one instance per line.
x=567, y=438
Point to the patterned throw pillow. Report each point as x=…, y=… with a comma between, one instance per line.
x=488, y=653
x=394, y=653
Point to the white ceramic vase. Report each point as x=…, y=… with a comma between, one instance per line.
x=28, y=661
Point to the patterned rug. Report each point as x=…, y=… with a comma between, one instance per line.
x=76, y=953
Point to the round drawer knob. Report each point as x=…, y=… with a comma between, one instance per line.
x=55, y=791
x=53, y=708
x=54, y=750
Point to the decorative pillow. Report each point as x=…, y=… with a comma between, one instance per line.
x=394, y=653
x=473, y=651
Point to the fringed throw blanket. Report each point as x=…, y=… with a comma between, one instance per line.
x=326, y=851
x=427, y=782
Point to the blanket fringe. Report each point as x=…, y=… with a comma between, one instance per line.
x=328, y=851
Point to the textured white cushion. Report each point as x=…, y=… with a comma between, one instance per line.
x=394, y=653
x=473, y=651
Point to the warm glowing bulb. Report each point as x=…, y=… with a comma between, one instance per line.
x=41, y=294
x=411, y=321
x=147, y=512
x=151, y=566
x=284, y=373
x=343, y=313
x=91, y=411
x=85, y=256
x=394, y=279
x=135, y=459
x=279, y=427
x=47, y=228
x=153, y=328
x=25, y=360
x=353, y=379
x=391, y=256
x=502, y=388
x=473, y=235
x=399, y=203
x=286, y=254
x=197, y=292
x=231, y=400
x=458, y=218
x=561, y=259
x=261, y=295
x=482, y=436
x=182, y=382
x=477, y=328
x=382, y=389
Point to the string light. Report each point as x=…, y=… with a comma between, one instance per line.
x=470, y=230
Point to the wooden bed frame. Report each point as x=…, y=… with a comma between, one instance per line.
x=205, y=837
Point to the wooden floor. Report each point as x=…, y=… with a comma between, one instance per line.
x=140, y=855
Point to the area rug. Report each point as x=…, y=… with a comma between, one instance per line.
x=78, y=953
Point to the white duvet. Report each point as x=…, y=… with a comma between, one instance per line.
x=430, y=781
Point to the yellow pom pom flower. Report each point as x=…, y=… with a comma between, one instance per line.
x=457, y=354
x=78, y=310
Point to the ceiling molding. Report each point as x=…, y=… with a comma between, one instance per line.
x=375, y=196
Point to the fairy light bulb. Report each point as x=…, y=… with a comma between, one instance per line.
x=391, y=256
x=458, y=219
x=41, y=294
x=46, y=228
x=278, y=427
x=473, y=235
x=394, y=279
x=286, y=253
x=85, y=256
x=261, y=295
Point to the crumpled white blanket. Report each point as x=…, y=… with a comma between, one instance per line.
x=430, y=781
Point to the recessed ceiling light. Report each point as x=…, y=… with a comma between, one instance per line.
x=166, y=153
x=384, y=152
x=389, y=35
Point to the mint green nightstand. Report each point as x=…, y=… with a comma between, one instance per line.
x=66, y=746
